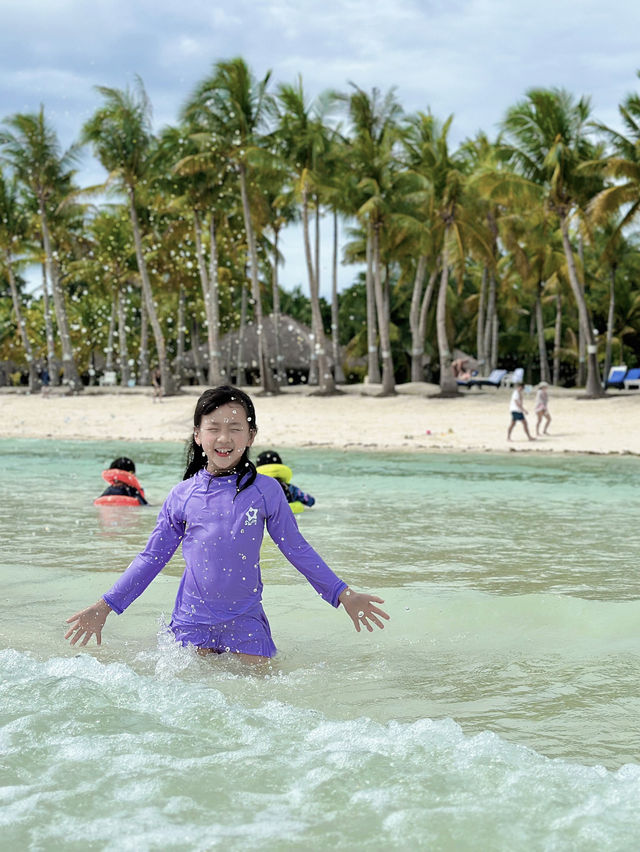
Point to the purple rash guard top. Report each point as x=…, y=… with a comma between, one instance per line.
x=221, y=538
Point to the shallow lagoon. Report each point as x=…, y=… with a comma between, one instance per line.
x=498, y=709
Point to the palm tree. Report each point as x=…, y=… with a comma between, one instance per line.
x=372, y=157
x=196, y=177
x=31, y=147
x=232, y=107
x=457, y=228
x=120, y=134
x=623, y=165
x=13, y=231
x=109, y=263
x=420, y=152
x=303, y=141
x=547, y=143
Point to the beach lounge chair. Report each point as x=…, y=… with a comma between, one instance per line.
x=517, y=377
x=616, y=377
x=108, y=378
x=494, y=379
x=632, y=379
x=465, y=382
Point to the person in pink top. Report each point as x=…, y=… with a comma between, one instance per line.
x=218, y=514
x=542, y=408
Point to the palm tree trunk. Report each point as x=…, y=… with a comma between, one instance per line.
x=215, y=353
x=144, y=378
x=448, y=385
x=69, y=368
x=388, y=377
x=426, y=301
x=204, y=283
x=480, y=332
x=275, y=291
x=179, y=361
x=325, y=378
x=22, y=328
x=195, y=351
x=313, y=356
x=594, y=386
x=417, y=341
x=338, y=372
x=494, y=340
x=582, y=347
x=610, y=320
x=316, y=370
x=111, y=331
x=48, y=324
x=266, y=378
x=125, y=372
x=557, y=339
x=168, y=384
x=542, y=346
x=373, y=369
x=490, y=355
x=241, y=376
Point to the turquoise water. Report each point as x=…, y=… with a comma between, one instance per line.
x=499, y=709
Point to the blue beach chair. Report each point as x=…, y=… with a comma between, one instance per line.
x=493, y=380
x=632, y=379
x=616, y=377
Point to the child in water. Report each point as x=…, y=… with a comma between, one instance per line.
x=270, y=463
x=218, y=513
x=123, y=486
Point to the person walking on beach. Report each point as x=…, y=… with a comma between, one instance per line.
x=518, y=412
x=218, y=513
x=542, y=408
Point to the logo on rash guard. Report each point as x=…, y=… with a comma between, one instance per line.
x=252, y=517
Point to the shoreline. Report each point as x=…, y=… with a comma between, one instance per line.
x=414, y=420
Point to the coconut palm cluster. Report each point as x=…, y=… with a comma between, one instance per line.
x=520, y=249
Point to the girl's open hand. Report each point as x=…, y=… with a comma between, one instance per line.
x=361, y=609
x=88, y=622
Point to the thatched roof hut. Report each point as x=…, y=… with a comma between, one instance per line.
x=296, y=345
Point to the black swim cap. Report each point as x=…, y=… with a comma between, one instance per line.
x=123, y=463
x=268, y=457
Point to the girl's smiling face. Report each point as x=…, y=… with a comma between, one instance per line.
x=224, y=434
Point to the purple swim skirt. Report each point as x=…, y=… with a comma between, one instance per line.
x=243, y=634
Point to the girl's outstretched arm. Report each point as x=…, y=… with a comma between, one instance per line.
x=361, y=610
x=87, y=622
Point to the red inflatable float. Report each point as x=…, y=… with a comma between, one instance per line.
x=113, y=476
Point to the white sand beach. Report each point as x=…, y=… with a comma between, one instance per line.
x=413, y=420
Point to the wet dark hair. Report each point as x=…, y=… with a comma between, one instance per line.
x=211, y=399
x=268, y=457
x=123, y=463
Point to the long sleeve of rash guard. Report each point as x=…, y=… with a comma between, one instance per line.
x=283, y=529
x=160, y=547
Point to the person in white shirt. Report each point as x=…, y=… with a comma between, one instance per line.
x=518, y=412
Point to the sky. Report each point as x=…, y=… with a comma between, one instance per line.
x=469, y=58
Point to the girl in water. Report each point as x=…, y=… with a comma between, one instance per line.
x=218, y=513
